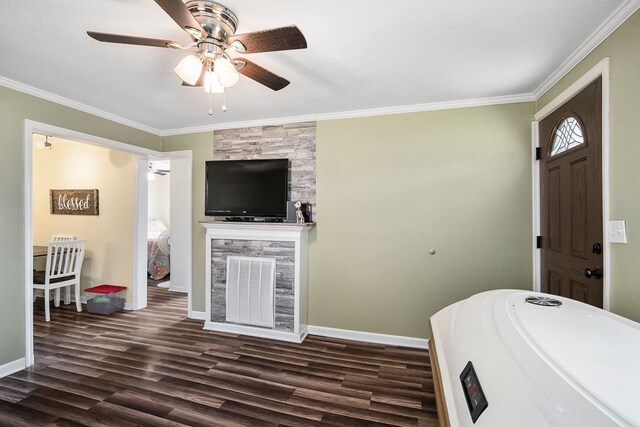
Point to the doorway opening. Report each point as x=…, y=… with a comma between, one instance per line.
x=136, y=187
x=169, y=235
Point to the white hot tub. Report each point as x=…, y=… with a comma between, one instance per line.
x=566, y=365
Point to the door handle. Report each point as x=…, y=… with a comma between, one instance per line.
x=595, y=273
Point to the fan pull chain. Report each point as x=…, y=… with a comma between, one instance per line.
x=224, y=102
x=210, y=109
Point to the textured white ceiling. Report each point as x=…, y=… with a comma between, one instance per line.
x=362, y=55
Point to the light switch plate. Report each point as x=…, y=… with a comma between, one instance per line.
x=617, y=232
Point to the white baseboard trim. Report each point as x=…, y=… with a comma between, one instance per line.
x=11, y=367
x=370, y=337
x=256, y=332
x=397, y=340
x=198, y=315
x=177, y=289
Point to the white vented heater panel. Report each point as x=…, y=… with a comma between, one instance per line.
x=251, y=290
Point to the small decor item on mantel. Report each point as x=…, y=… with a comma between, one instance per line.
x=74, y=202
x=299, y=216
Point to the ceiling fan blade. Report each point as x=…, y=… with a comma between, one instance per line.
x=259, y=74
x=179, y=13
x=200, y=81
x=283, y=38
x=141, y=41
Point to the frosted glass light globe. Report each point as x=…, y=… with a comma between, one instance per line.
x=189, y=69
x=227, y=74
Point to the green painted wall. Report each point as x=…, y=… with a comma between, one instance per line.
x=201, y=144
x=623, y=49
x=389, y=189
x=15, y=107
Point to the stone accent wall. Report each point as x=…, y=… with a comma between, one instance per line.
x=296, y=141
x=283, y=252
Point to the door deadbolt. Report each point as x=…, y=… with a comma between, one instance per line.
x=596, y=248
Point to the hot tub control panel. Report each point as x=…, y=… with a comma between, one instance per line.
x=476, y=400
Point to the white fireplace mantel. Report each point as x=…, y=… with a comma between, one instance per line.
x=236, y=236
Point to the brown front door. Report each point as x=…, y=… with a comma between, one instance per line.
x=571, y=198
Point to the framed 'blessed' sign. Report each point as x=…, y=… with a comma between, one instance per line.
x=74, y=202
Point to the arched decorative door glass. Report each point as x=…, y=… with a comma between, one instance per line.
x=568, y=134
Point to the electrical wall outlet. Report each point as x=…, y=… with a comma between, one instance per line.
x=90, y=284
x=617, y=232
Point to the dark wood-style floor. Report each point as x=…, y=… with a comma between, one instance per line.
x=155, y=367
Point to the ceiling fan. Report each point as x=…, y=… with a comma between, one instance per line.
x=212, y=27
x=159, y=172
x=158, y=169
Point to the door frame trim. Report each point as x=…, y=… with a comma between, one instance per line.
x=600, y=69
x=30, y=127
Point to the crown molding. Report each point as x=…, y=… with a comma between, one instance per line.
x=416, y=108
x=238, y=125
x=30, y=90
x=432, y=106
x=627, y=9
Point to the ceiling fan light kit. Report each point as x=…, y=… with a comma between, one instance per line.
x=212, y=27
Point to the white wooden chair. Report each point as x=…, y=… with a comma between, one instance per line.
x=67, y=291
x=38, y=264
x=64, y=264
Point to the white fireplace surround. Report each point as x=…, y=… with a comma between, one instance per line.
x=274, y=232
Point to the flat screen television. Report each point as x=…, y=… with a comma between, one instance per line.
x=247, y=189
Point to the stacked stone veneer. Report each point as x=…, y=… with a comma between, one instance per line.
x=296, y=142
x=283, y=252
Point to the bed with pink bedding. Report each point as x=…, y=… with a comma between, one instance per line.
x=158, y=265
